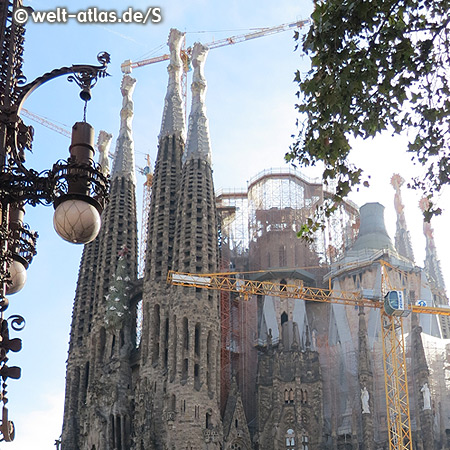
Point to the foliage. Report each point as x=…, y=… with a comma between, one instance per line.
x=376, y=66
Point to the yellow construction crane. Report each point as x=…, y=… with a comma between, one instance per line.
x=393, y=307
x=128, y=65
x=46, y=122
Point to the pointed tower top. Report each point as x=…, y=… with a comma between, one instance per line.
x=103, y=145
x=402, y=237
x=124, y=156
x=173, y=115
x=198, y=143
x=432, y=263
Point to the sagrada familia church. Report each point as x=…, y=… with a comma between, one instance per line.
x=154, y=366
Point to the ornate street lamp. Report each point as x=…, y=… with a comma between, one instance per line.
x=77, y=187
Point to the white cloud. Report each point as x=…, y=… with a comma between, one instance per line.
x=39, y=428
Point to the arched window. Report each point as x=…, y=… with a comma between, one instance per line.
x=304, y=394
x=284, y=318
x=291, y=396
x=282, y=256
x=185, y=333
x=139, y=321
x=286, y=396
x=290, y=439
x=305, y=441
x=197, y=340
x=155, y=332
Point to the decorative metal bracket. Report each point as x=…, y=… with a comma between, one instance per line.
x=21, y=135
x=86, y=75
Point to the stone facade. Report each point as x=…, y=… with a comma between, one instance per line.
x=301, y=375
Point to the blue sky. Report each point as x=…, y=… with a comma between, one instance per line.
x=250, y=105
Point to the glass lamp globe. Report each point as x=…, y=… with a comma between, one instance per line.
x=77, y=221
x=18, y=277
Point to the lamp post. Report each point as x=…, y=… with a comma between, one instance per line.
x=77, y=187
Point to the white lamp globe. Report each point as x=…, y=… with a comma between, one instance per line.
x=18, y=277
x=77, y=221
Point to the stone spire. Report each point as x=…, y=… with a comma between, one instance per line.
x=402, y=237
x=124, y=156
x=103, y=145
x=98, y=371
x=193, y=365
x=432, y=263
x=162, y=353
x=173, y=114
x=166, y=179
x=198, y=142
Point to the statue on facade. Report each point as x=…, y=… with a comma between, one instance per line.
x=365, y=401
x=426, y=396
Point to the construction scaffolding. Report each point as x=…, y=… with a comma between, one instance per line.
x=258, y=231
x=280, y=201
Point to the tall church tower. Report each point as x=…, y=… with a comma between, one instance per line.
x=97, y=413
x=150, y=427
x=177, y=391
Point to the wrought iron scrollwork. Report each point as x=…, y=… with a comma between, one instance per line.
x=87, y=76
x=17, y=322
x=63, y=173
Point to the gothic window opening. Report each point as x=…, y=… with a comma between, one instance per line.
x=166, y=343
x=290, y=439
x=286, y=396
x=185, y=333
x=155, y=332
x=209, y=360
x=184, y=373
x=174, y=349
x=283, y=284
x=282, y=256
x=284, y=318
x=139, y=322
x=304, y=396
x=305, y=441
x=197, y=339
x=85, y=381
x=291, y=396
x=118, y=433
x=101, y=344
x=197, y=377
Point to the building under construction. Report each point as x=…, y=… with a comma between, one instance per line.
x=155, y=365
